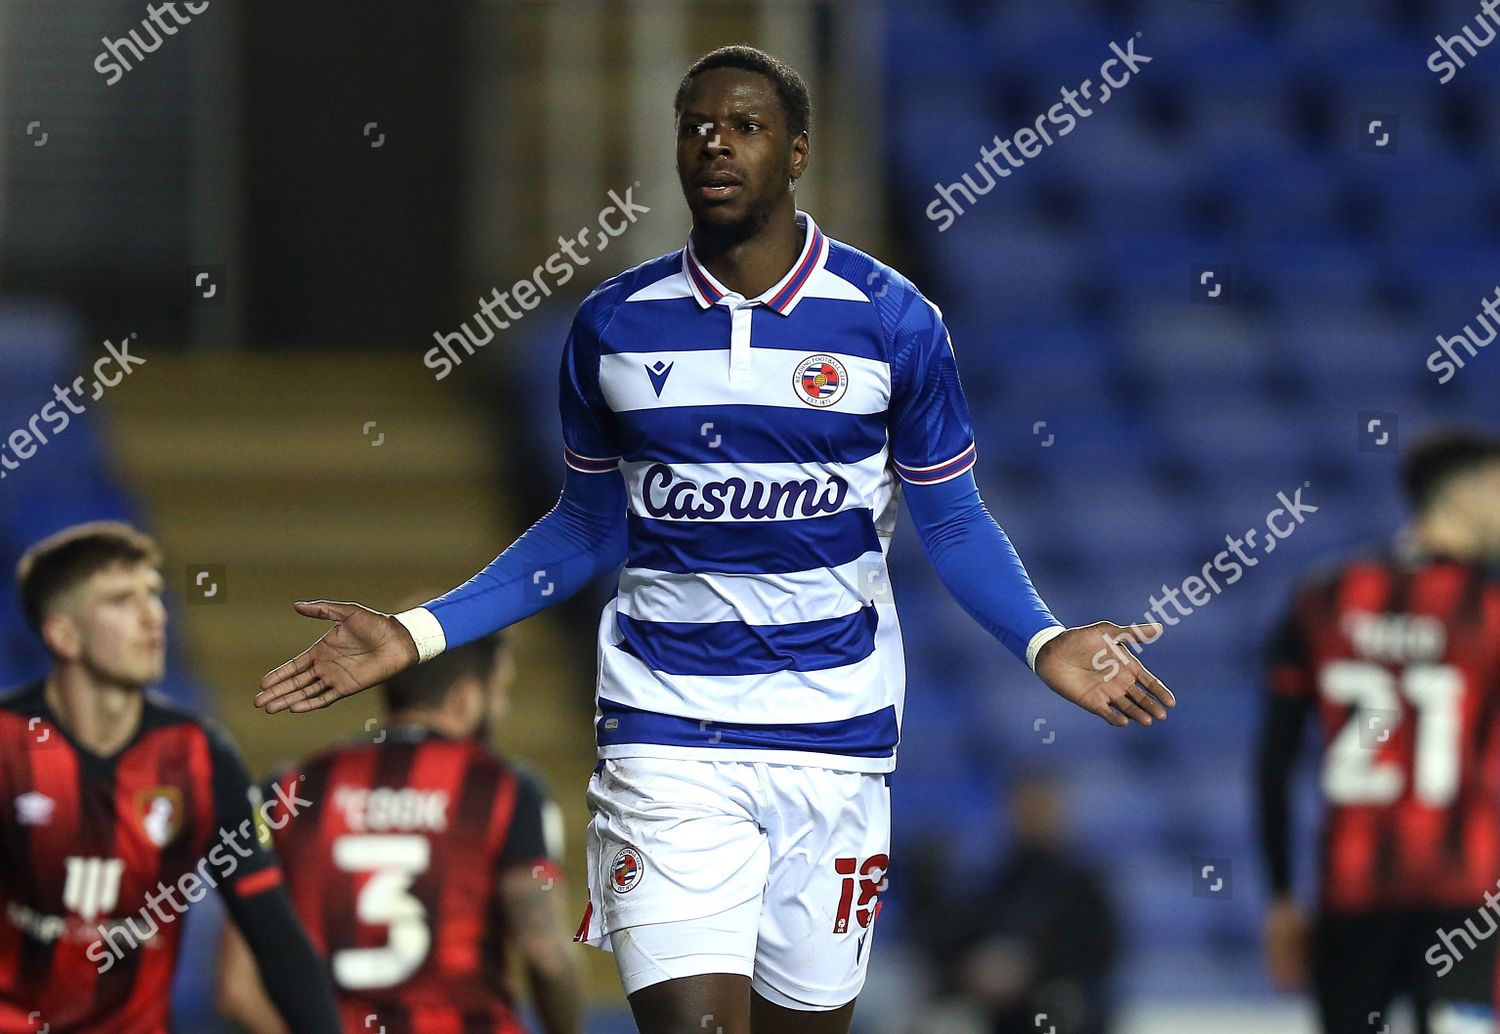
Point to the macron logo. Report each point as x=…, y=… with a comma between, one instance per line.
x=658, y=372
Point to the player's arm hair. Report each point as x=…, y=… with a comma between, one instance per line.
x=1287, y=708
x=238, y=992
x=530, y=904
x=534, y=924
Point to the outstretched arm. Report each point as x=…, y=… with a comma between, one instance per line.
x=981, y=569
x=932, y=444
x=579, y=538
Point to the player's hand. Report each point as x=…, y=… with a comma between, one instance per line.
x=1287, y=945
x=1090, y=666
x=365, y=648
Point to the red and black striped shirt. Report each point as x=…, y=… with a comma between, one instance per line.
x=99, y=857
x=1400, y=659
x=394, y=873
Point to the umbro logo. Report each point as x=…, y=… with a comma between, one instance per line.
x=658, y=372
x=34, y=809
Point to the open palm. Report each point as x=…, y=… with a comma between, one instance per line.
x=363, y=649
x=1090, y=666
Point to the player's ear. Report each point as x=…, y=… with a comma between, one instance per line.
x=800, y=151
x=62, y=636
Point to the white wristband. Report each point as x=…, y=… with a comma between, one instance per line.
x=425, y=631
x=1040, y=640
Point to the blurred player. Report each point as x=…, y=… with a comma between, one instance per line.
x=118, y=809
x=1399, y=657
x=739, y=419
x=423, y=865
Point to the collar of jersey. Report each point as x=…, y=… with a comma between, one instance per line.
x=783, y=296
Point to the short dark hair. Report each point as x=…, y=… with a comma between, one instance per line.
x=791, y=89
x=424, y=686
x=67, y=558
x=1432, y=464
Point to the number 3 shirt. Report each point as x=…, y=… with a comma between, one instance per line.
x=394, y=873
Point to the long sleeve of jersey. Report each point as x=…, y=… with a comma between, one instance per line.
x=1287, y=708
x=580, y=538
x=977, y=562
x=250, y=878
x=932, y=445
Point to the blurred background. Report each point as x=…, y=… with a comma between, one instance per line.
x=1222, y=284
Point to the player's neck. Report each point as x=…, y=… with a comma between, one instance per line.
x=101, y=716
x=436, y=720
x=752, y=265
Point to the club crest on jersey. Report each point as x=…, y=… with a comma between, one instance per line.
x=626, y=870
x=159, y=811
x=820, y=380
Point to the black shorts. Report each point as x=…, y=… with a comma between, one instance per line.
x=1361, y=963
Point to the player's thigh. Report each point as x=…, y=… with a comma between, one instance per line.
x=767, y=1017
x=709, y=1003
x=677, y=870
x=1358, y=968
x=829, y=838
x=670, y=956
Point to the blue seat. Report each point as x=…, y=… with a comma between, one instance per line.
x=1452, y=279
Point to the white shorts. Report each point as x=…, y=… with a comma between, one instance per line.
x=770, y=871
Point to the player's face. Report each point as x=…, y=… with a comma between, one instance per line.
x=735, y=159
x=1482, y=500
x=120, y=625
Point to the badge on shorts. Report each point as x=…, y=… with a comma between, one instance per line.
x=625, y=871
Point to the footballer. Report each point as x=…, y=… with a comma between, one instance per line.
x=1396, y=659
x=117, y=803
x=741, y=418
x=424, y=866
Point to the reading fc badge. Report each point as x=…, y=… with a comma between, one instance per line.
x=820, y=380
x=625, y=871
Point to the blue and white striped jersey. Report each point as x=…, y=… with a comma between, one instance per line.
x=760, y=441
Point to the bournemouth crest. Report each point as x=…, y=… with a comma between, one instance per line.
x=159, y=811
x=820, y=380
